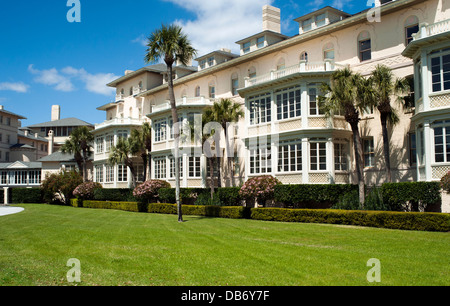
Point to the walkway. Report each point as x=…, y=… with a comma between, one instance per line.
x=7, y=210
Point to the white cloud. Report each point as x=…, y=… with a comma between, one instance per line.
x=339, y=4
x=220, y=23
x=52, y=77
x=63, y=80
x=17, y=87
x=141, y=39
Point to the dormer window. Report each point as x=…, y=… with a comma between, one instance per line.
x=211, y=61
x=246, y=47
x=260, y=42
x=203, y=64
x=307, y=25
x=320, y=20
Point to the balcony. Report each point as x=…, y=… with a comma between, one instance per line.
x=197, y=101
x=428, y=34
x=302, y=68
x=118, y=121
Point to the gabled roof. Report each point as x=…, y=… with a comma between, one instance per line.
x=62, y=122
x=21, y=165
x=12, y=114
x=158, y=68
x=59, y=157
x=31, y=136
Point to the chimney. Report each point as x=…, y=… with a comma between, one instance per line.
x=1, y=107
x=56, y=111
x=127, y=72
x=26, y=132
x=271, y=19
x=51, y=140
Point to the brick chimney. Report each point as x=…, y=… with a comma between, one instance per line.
x=271, y=19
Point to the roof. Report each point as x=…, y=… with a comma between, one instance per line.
x=21, y=165
x=22, y=146
x=62, y=122
x=158, y=68
x=12, y=114
x=320, y=11
x=267, y=32
x=59, y=157
x=221, y=52
x=31, y=136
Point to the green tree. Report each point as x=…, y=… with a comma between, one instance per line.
x=345, y=95
x=170, y=44
x=80, y=145
x=123, y=153
x=383, y=88
x=141, y=141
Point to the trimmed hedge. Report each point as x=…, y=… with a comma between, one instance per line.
x=188, y=195
x=397, y=195
x=114, y=194
x=26, y=195
x=197, y=210
x=125, y=206
x=391, y=220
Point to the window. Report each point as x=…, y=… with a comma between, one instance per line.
x=260, y=42
x=412, y=149
x=131, y=91
x=211, y=61
x=8, y=139
x=99, y=144
x=246, y=47
x=172, y=166
x=212, y=91
x=122, y=134
x=318, y=154
x=411, y=27
x=307, y=25
x=234, y=85
x=197, y=91
x=195, y=167
x=122, y=173
x=109, y=143
x=320, y=20
x=160, y=127
x=441, y=141
x=203, y=64
x=140, y=173
x=328, y=52
x=314, y=107
x=289, y=103
x=7, y=156
x=160, y=168
x=368, y=152
x=290, y=156
x=180, y=126
x=341, y=157
x=260, y=158
x=252, y=72
x=440, y=71
x=304, y=56
x=8, y=121
x=260, y=109
x=364, y=46
x=99, y=174
x=109, y=174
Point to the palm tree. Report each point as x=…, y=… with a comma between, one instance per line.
x=345, y=95
x=80, y=144
x=384, y=86
x=141, y=140
x=122, y=154
x=171, y=45
x=225, y=111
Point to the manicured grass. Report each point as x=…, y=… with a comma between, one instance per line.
x=123, y=248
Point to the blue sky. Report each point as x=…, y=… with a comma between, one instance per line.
x=45, y=60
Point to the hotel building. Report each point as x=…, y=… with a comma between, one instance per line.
x=276, y=79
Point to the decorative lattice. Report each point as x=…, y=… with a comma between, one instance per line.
x=318, y=178
x=290, y=179
x=342, y=178
x=340, y=124
x=195, y=183
x=439, y=171
x=159, y=146
x=320, y=122
x=290, y=125
x=440, y=100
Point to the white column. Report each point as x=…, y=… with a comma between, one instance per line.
x=427, y=134
x=305, y=161
x=5, y=195
x=185, y=170
x=425, y=81
x=305, y=105
x=330, y=159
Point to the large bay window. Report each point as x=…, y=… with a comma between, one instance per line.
x=441, y=141
x=290, y=156
x=160, y=168
x=289, y=103
x=260, y=158
x=260, y=109
x=440, y=70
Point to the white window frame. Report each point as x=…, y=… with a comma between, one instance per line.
x=160, y=127
x=289, y=103
x=290, y=156
x=440, y=54
x=160, y=168
x=445, y=126
x=194, y=167
x=318, y=152
x=260, y=109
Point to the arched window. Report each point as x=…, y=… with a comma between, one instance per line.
x=328, y=51
x=364, y=46
x=411, y=27
x=212, y=90
x=197, y=91
x=304, y=56
x=281, y=64
x=131, y=91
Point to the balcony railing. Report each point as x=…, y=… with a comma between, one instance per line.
x=426, y=30
x=118, y=121
x=302, y=67
x=197, y=101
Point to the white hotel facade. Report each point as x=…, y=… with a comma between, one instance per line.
x=275, y=78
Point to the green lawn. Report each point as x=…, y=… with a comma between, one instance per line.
x=122, y=248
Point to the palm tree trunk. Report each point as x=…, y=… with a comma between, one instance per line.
x=177, y=143
x=359, y=163
x=386, y=149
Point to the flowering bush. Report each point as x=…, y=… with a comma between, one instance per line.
x=445, y=182
x=85, y=191
x=259, y=188
x=148, y=190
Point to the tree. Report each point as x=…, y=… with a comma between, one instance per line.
x=123, y=153
x=171, y=45
x=225, y=112
x=345, y=95
x=384, y=86
x=80, y=144
x=141, y=141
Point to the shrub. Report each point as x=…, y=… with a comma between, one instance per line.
x=26, y=195
x=86, y=191
x=188, y=195
x=445, y=182
x=148, y=191
x=204, y=199
x=229, y=196
x=349, y=201
x=125, y=206
x=418, y=195
x=60, y=186
x=114, y=194
x=260, y=188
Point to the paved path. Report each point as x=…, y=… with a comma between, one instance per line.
x=7, y=210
